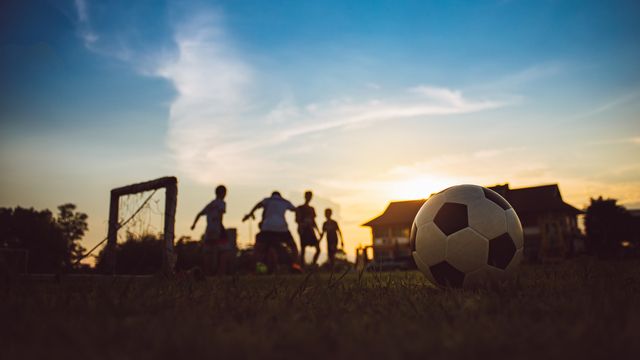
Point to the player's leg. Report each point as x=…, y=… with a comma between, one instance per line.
x=260, y=249
x=332, y=248
x=303, y=246
x=317, y=253
x=272, y=256
x=291, y=245
x=332, y=259
x=291, y=252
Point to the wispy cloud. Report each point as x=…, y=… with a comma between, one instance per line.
x=517, y=80
x=607, y=106
x=215, y=130
x=84, y=24
x=211, y=81
x=219, y=128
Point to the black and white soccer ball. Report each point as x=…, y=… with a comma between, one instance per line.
x=467, y=236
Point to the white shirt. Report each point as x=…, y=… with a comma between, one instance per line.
x=273, y=211
x=213, y=212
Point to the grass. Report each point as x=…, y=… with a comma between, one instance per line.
x=580, y=309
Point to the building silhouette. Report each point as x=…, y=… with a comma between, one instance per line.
x=549, y=224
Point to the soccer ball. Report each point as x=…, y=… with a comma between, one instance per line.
x=466, y=236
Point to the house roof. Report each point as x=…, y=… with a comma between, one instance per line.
x=535, y=199
x=545, y=198
x=397, y=213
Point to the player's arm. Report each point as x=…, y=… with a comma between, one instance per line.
x=250, y=214
x=341, y=238
x=315, y=225
x=321, y=233
x=201, y=213
x=315, y=228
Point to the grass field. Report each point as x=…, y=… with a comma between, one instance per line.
x=581, y=309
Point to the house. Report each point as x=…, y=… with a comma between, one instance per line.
x=390, y=233
x=549, y=225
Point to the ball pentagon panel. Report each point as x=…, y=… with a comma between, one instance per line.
x=496, y=198
x=515, y=261
x=447, y=274
x=501, y=251
x=429, y=209
x=514, y=228
x=452, y=217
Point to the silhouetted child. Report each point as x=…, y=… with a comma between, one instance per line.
x=215, y=244
x=274, y=232
x=331, y=228
x=307, y=228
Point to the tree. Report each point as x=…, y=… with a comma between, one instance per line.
x=73, y=226
x=39, y=234
x=52, y=243
x=607, y=225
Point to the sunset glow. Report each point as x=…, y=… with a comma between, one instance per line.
x=361, y=103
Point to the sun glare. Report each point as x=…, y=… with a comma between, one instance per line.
x=418, y=187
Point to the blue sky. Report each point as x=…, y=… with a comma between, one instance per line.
x=362, y=101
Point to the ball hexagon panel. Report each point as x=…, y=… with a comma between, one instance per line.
x=424, y=268
x=515, y=262
x=496, y=198
x=484, y=276
x=429, y=209
x=501, y=251
x=514, y=228
x=463, y=194
x=451, y=217
x=467, y=250
x=431, y=243
x=487, y=218
x=447, y=275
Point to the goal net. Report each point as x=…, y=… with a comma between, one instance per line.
x=140, y=237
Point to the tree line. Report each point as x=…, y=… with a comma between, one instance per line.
x=39, y=241
x=43, y=242
x=611, y=230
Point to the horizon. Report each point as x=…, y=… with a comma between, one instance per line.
x=362, y=103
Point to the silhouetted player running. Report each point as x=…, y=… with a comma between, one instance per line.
x=215, y=244
x=307, y=227
x=273, y=227
x=331, y=228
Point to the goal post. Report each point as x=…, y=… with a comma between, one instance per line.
x=170, y=184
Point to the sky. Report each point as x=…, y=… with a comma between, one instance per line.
x=363, y=102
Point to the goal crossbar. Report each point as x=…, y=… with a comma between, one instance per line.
x=170, y=184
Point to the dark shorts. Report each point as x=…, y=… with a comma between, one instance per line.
x=308, y=237
x=332, y=245
x=217, y=240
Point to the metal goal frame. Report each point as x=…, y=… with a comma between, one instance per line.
x=170, y=184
